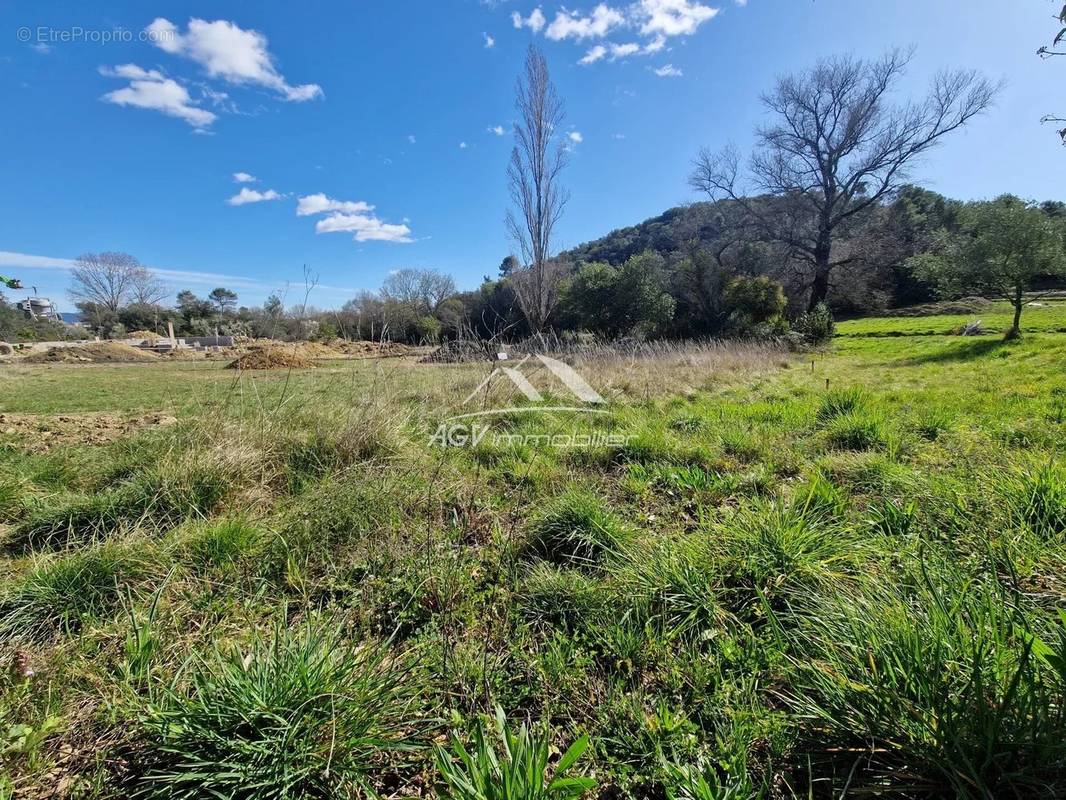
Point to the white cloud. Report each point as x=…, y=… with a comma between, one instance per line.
x=613, y=52
x=496, y=129
x=174, y=276
x=668, y=71
x=42, y=47
x=244, y=177
x=594, y=54
x=534, y=22
x=462, y=145
x=246, y=195
x=672, y=17
x=320, y=204
x=575, y=137
x=567, y=25
x=365, y=228
x=411, y=138
x=655, y=45
x=489, y=41
x=152, y=90
x=623, y=50
x=351, y=217
x=618, y=136
x=229, y=52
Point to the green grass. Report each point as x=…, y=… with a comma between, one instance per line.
x=835, y=573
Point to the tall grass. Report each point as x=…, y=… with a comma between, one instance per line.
x=936, y=694
x=302, y=713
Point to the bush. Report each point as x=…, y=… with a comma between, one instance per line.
x=303, y=714
x=817, y=326
x=752, y=302
x=519, y=771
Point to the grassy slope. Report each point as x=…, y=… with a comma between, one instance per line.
x=776, y=586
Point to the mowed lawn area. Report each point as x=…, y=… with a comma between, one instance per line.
x=799, y=574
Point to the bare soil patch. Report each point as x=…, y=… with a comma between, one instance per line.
x=41, y=432
x=94, y=353
x=278, y=357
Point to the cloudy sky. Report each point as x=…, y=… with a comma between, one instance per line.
x=232, y=143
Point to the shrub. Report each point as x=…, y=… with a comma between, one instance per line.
x=575, y=530
x=752, y=302
x=302, y=714
x=519, y=771
x=817, y=326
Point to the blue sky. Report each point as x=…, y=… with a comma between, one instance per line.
x=369, y=132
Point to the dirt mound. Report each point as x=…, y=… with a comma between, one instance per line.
x=40, y=432
x=459, y=351
x=278, y=357
x=316, y=350
x=369, y=349
x=151, y=336
x=93, y=353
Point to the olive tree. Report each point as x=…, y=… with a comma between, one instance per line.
x=1006, y=245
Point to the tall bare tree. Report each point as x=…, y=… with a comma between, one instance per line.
x=147, y=288
x=538, y=157
x=836, y=147
x=422, y=289
x=108, y=280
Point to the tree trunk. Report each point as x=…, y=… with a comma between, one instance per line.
x=1016, y=329
x=822, y=252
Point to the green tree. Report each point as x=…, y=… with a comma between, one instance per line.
x=754, y=301
x=224, y=300
x=619, y=301
x=1005, y=248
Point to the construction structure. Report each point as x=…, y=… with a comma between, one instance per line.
x=39, y=309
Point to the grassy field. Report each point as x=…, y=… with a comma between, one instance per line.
x=826, y=574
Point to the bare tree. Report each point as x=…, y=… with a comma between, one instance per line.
x=538, y=157
x=147, y=288
x=836, y=148
x=109, y=280
x=421, y=289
